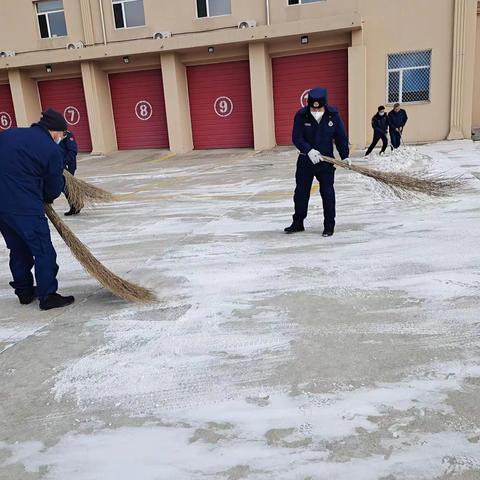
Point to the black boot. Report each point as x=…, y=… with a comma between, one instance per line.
x=26, y=298
x=55, y=300
x=295, y=227
x=72, y=211
x=328, y=232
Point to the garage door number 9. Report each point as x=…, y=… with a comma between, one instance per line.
x=223, y=106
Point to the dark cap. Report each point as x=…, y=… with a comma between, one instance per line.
x=317, y=97
x=53, y=120
x=381, y=107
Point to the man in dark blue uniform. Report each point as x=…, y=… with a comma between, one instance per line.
x=31, y=173
x=397, y=120
x=315, y=129
x=380, y=129
x=70, y=150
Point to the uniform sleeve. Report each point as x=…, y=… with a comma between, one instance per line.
x=298, y=138
x=70, y=150
x=53, y=181
x=341, y=139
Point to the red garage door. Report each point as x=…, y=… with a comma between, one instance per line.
x=139, y=109
x=294, y=76
x=7, y=113
x=221, y=105
x=68, y=97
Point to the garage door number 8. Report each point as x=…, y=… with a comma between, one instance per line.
x=143, y=110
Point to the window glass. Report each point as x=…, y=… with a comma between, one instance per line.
x=202, y=8
x=42, y=22
x=58, y=28
x=49, y=6
x=118, y=14
x=134, y=13
x=219, y=7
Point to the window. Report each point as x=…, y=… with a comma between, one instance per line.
x=299, y=2
x=409, y=77
x=51, y=18
x=128, y=13
x=213, y=8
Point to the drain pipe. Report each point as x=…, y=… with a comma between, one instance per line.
x=267, y=6
x=102, y=16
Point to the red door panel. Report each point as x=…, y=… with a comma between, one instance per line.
x=7, y=112
x=221, y=105
x=67, y=96
x=139, y=109
x=294, y=76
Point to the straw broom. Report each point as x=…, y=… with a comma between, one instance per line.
x=81, y=193
x=404, y=185
x=119, y=287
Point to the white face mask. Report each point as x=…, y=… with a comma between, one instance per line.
x=317, y=115
x=381, y=113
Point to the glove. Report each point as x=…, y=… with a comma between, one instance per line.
x=314, y=156
x=348, y=162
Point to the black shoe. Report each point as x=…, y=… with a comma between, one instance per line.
x=72, y=211
x=327, y=233
x=55, y=300
x=294, y=228
x=26, y=298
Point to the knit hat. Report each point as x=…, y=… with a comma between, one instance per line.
x=52, y=120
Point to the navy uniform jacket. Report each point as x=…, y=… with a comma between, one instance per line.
x=397, y=119
x=70, y=149
x=308, y=134
x=380, y=123
x=31, y=170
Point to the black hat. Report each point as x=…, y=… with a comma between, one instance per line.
x=317, y=97
x=54, y=121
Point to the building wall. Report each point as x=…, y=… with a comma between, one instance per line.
x=476, y=88
x=370, y=29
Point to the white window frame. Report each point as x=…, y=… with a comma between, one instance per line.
x=123, y=2
x=400, y=83
x=208, y=11
x=47, y=14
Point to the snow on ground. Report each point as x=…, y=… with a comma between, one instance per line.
x=268, y=356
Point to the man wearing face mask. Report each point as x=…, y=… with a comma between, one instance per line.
x=316, y=128
x=380, y=128
x=31, y=173
x=397, y=119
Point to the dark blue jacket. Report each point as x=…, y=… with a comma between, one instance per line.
x=397, y=119
x=308, y=134
x=70, y=149
x=31, y=170
x=380, y=123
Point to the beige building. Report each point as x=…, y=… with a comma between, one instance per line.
x=190, y=74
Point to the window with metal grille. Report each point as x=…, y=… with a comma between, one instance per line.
x=213, y=8
x=300, y=2
x=408, y=77
x=51, y=18
x=128, y=13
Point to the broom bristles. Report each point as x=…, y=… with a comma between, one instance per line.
x=403, y=185
x=118, y=286
x=81, y=193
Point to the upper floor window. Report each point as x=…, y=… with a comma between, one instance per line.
x=299, y=2
x=51, y=18
x=213, y=8
x=409, y=77
x=128, y=13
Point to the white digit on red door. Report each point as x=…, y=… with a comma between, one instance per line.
x=5, y=121
x=143, y=110
x=304, y=98
x=72, y=115
x=223, y=106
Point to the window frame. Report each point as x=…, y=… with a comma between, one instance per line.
x=207, y=2
x=300, y=2
x=123, y=2
x=47, y=14
x=400, y=83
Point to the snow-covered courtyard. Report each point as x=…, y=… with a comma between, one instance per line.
x=268, y=356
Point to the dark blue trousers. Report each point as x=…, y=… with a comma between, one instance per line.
x=28, y=239
x=395, y=138
x=325, y=174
